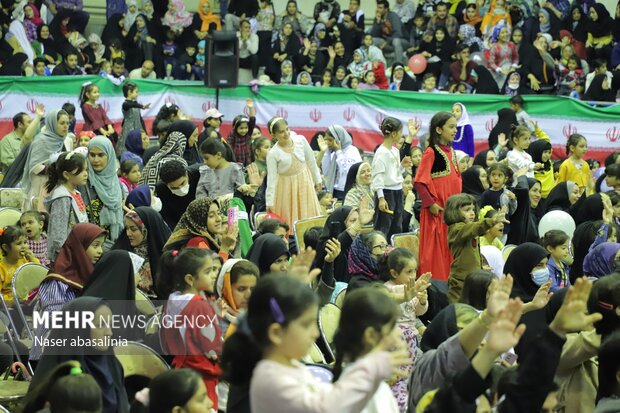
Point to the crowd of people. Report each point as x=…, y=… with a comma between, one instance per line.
x=473, y=46
x=114, y=217
x=491, y=310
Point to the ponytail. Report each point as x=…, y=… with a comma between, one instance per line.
x=71, y=162
x=277, y=299
x=174, y=265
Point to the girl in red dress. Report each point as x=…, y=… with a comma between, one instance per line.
x=437, y=179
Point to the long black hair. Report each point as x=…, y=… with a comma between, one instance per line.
x=365, y=307
x=71, y=162
x=275, y=299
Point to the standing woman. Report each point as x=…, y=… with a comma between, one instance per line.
x=46, y=143
x=103, y=195
x=437, y=179
x=293, y=177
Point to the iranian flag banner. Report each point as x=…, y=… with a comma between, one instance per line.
x=310, y=109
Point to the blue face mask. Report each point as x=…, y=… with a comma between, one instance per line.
x=540, y=276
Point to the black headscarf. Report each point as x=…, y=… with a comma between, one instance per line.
x=184, y=126
x=481, y=158
x=604, y=25
x=583, y=237
x=103, y=366
x=352, y=176
x=520, y=264
x=156, y=237
x=558, y=198
x=596, y=91
x=446, y=324
x=339, y=215
x=537, y=148
x=505, y=119
x=579, y=31
x=49, y=47
x=590, y=210
x=471, y=181
x=265, y=250
x=407, y=83
x=525, y=217
x=112, y=30
x=486, y=84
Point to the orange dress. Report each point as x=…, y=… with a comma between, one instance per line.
x=437, y=179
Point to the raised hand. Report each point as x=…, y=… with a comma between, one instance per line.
x=332, y=250
x=322, y=144
x=502, y=140
x=498, y=295
x=573, y=315
x=542, y=297
x=366, y=212
x=504, y=333
x=299, y=266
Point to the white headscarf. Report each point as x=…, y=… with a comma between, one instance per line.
x=495, y=259
x=464, y=119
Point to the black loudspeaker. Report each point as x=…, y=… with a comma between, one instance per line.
x=222, y=60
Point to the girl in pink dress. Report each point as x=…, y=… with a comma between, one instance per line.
x=293, y=176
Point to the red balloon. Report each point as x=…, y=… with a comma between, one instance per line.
x=417, y=63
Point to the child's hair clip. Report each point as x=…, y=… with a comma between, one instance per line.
x=2, y=231
x=276, y=311
x=175, y=253
x=69, y=155
x=87, y=83
x=605, y=306
x=76, y=371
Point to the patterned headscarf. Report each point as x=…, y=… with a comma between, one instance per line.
x=172, y=149
x=361, y=260
x=193, y=223
x=468, y=33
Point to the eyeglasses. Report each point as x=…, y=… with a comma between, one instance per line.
x=382, y=246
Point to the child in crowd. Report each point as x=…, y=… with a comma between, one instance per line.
x=326, y=200
x=184, y=277
x=540, y=151
x=15, y=253
x=369, y=81
x=132, y=119
x=358, y=66
x=174, y=391
x=387, y=179
x=34, y=224
x=517, y=157
x=498, y=196
x=286, y=73
x=463, y=233
x=65, y=203
x=281, y=330
x=84, y=138
x=304, y=79
x=493, y=235
x=234, y=286
x=556, y=242
x=65, y=388
x=401, y=279
x=368, y=309
x=240, y=136
x=219, y=177
x=429, y=84
x=95, y=116
x=463, y=160
x=212, y=123
x=572, y=78
x=575, y=168
x=201, y=59
x=464, y=139
x=130, y=175
x=517, y=104
x=260, y=149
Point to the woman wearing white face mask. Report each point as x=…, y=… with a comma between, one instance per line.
x=527, y=264
x=145, y=235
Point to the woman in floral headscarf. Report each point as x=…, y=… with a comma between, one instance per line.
x=201, y=226
x=177, y=18
x=364, y=255
x=145, y=235
x=467, y=35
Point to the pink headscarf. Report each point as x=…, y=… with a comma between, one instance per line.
x=36, y=19
x=179, y=19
